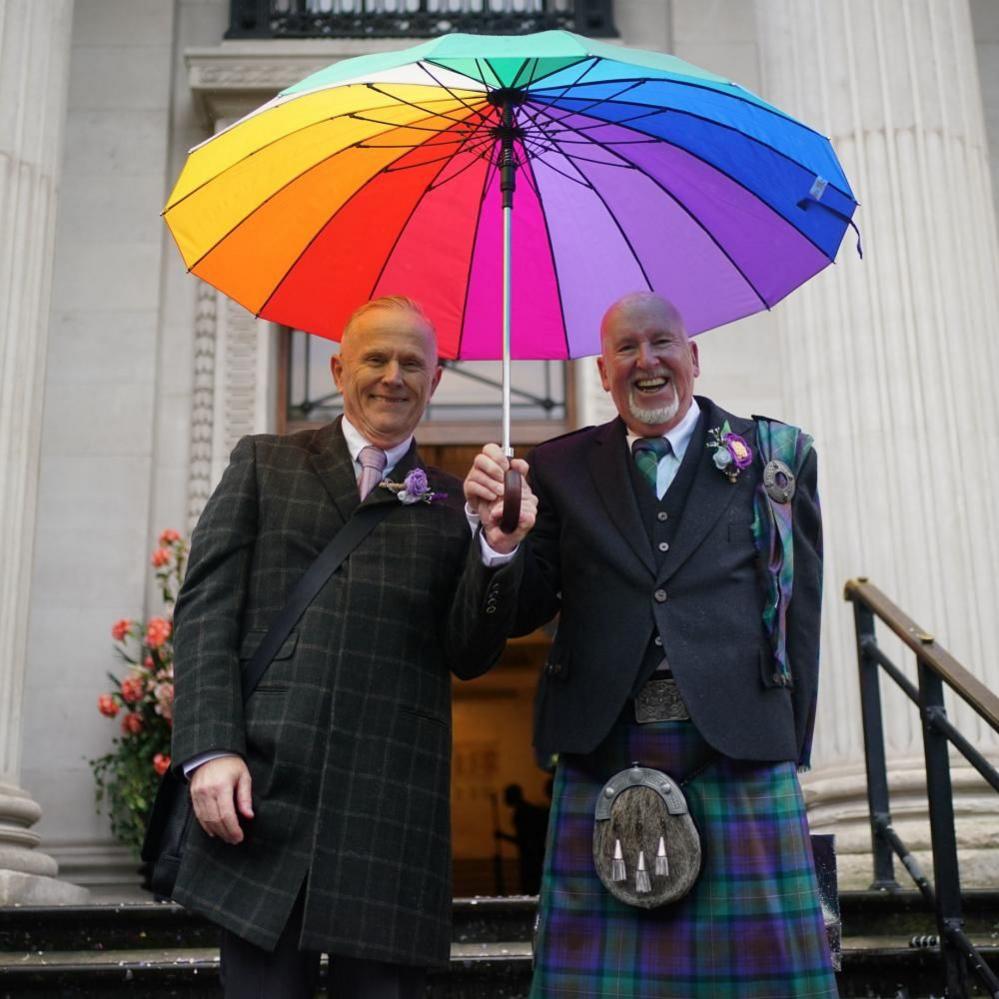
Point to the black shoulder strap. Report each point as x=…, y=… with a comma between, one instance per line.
x=357, y=528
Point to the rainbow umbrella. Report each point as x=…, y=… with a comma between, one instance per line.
x=394, y=174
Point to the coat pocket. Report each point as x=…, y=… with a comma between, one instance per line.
x=252, y=640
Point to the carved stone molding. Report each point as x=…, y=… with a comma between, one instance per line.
x=230, y=80
x=199, y=480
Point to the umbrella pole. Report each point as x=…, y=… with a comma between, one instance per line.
x=507, y=225
x=508, y=181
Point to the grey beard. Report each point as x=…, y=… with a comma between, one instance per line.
x=653, y=417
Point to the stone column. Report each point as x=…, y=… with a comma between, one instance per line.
x=890, y=363
x=34, y=65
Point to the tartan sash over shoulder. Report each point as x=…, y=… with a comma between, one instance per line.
x=773, y=533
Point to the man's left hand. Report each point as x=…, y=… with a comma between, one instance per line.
x=484, y=495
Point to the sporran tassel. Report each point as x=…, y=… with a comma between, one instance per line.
x=662, y=862
x=617, y=867
x=642, y=884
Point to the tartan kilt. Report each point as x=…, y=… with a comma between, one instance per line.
x=751, y=927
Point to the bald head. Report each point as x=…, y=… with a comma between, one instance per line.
x=647, y=362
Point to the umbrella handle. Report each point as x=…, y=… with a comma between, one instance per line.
x=511, y=501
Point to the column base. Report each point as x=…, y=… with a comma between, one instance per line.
x=27, y=875
x=836, y=801
x=17, y=888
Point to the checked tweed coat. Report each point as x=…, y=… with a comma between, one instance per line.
x=348, y=735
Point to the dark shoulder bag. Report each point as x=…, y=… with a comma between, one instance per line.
x=171, y=815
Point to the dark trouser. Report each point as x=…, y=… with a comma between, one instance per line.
x=250, y=972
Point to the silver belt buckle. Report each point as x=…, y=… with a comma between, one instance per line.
x=660, y=700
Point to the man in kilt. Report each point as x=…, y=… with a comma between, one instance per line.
x=323, y=802
x=672, y=570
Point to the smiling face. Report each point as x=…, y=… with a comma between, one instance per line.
x=647, y=363
x=387, y=371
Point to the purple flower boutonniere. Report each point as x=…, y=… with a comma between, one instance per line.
x=415, y=488
x=731, y=452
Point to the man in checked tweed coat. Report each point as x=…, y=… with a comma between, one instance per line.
x=657, y=579
x=323, y=804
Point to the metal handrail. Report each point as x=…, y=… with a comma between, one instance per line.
x=936, y=667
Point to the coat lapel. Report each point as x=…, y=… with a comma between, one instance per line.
x=711, y=493
x=331, y=461
x=607, y=461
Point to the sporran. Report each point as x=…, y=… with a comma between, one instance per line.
x=646, y=848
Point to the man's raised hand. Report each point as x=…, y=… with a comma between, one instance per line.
x=484, y=495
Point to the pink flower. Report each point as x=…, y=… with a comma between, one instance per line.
x=161, y=763
x=157, y=632
x=148, y=662
x=169, y=536
x=163, y=692
x=120, y=629
x=107, y=705
x=131, y=689
x=131, y=724
x=161, y=557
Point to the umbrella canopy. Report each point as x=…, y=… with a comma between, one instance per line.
x=635, y=170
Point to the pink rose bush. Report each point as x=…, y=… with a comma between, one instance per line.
x=128, y=775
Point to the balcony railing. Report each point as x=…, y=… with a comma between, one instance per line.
x=414, y=18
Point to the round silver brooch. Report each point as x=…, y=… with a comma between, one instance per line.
x=778, y=480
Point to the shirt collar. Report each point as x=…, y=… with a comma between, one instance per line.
x=356, y=440
x=679, y=436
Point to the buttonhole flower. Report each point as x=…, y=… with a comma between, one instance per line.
x=731, y=453
x=415, y=488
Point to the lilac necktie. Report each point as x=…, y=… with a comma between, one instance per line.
x=372, y=461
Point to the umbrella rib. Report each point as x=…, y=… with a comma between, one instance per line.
x=471, y=107
x=551, y=249
x=612, y=98
x=412, y=104
x=612, y=216
x=395, y=242
x=717, y=124
x=288, y=183
x=673, y=81
x=486, y=181
x=315, y=236
x=591, y=59
x=295, y=131
x=479, y=143
x=472, y=160
x=725, y=173
x=680, y=204
x=654, y=110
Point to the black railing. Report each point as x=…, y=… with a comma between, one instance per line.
x=936, y=667
x=414, y=18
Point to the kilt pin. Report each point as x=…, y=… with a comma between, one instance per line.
x=636, y=581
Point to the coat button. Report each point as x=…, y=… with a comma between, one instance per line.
x=660, y=596
x=663, y=516
x=553, y=669
x=657, y=641
x=664, y=546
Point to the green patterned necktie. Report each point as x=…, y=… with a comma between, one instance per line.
x=648, y=451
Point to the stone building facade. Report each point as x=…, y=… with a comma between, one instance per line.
x=125, y=382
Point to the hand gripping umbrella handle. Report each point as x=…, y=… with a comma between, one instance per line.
x=511, y=501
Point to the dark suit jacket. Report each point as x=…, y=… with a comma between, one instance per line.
x=590, y=557
x=348, y=735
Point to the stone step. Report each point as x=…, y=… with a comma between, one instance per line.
x=873, y=967
x=165, y=924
